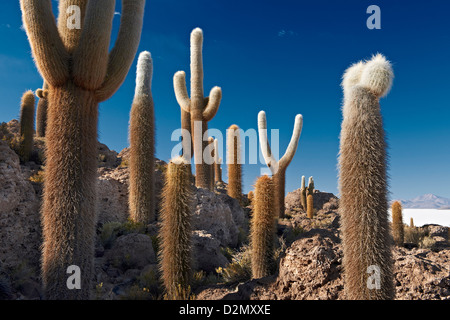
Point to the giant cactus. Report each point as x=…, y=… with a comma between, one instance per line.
x=26, y=125
x=201, y=109
x=234, y=189
x=363, y=183
x=175, y=236
x=80, y=72
x=41, y=112
x=279, y=167
x=142, y=145
x=262, y=230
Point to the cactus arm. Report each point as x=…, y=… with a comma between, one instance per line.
x=271, y=162
x=292, y=147
x=122, y=55
x=181, y=93
x=66, y=15
x=144, y=74
x=48, y=50
x=89, y=58
x=213, y=102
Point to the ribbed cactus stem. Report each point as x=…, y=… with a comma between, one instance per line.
x=201, y=109
x=234, y=163
x=80, y=73
x=142, y=145
x=398, y=230
x=363, y=206
x=303, y=193
x=41, y=112
x=310, y=206
x=26, y=125
x=262, y=230
x=175, y=233
x=279, y=167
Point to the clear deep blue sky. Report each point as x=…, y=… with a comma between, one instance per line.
x=284, y=57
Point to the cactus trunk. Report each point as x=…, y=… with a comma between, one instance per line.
x=310, y=206
x=397, y=224
x=27, y=125
x=280, y=190
x=234, y=189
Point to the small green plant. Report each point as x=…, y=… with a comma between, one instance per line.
x=240, y=268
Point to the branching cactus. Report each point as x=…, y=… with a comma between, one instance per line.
x=41, y=112
x=175, y=235
x=398, y=229
x=142, y=145
x=278, y=168
x=262, y=230
x=217, y=162
x=234, y=189
x=303, y=193
x=363, y=182
x=26, y=125
x=200, y=109
x=80, y=71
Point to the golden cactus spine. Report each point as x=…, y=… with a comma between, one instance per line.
x=234, y=189
x=41, y=112
x=310, y=206
x=303, y=194
x=80, y=73
x=201, y=109
x=398, y=230
x=26, y=125
x=175, y=234
x=262, y=230
x=142, y=145
x=279, y=167
x=363, y=182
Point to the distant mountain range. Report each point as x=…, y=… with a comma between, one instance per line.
x=427, y=201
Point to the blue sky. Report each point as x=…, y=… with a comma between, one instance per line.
x=284, y=57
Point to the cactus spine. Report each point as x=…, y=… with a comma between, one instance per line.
x=26, y=125
x=80, y=73
x=201, y=109
x=234, y=189
x=263, y=227
x=175, y=236
x=41, y=112
x=363, y=183
x=142, y=145
x=303, y=194
x=310, y=206
x=397, y=224
x=279, y=167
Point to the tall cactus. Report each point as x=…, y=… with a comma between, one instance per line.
x=211, y=166
x=142, y=145
x=217, y=162
x=363, y=183
x=279, y=167
x=310, y=189
x=41, y=112
x=310, y=206
x=234, y=189
x=26, y=125
x=303, y=193
x=80, y=73
x=201, y=109
x=262, y=230
x=398, y=229
x=175, y=235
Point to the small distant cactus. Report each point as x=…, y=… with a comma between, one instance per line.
x=411, y=223
x=217, y=163
x=26, y=125
x=142, y=146
x=41, y=112
x=363, y=183
x=397, y=224
x=212, y=180
x=310, y=206
x=262, y=230
x=279, y=167
x=303, y=194
x=175, y=235
x=310, y=189
x=234, y=189
x=200, y=109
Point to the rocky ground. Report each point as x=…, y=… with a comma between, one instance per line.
x=308, y=251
